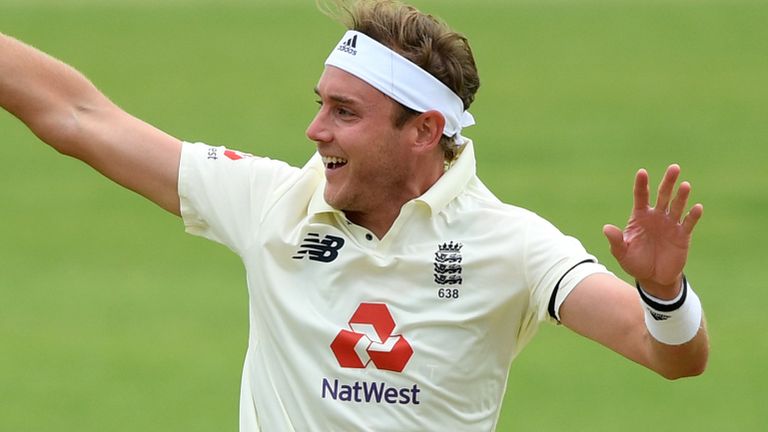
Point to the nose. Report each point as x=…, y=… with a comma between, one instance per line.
x=317, y=130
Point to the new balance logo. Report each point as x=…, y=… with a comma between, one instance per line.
x=325, y=250
x=349, y=46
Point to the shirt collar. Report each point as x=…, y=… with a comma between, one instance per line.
x=453, y=181
x=447, y=187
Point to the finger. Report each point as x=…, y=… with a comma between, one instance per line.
x=692, y=218
x=642, y=194
x=681, y=200
x=666, y=186
x=615, y=238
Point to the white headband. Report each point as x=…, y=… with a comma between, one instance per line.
x=398, y=78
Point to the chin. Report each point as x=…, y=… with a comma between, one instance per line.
x=333, y=198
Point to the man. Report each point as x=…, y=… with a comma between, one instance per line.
x=389, y=289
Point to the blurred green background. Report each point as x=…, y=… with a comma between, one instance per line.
x=113, y=319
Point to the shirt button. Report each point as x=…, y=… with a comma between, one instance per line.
x=369, y=237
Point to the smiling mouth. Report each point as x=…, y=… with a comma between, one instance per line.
x=332, y=162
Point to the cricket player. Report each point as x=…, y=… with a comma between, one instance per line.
x=389, y=289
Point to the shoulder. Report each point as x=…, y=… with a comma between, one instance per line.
x=477, y=201
x=476, y=211
x=219, y=156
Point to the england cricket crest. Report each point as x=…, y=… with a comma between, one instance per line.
x=448, y=264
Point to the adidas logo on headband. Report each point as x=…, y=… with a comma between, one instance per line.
x=349, y=46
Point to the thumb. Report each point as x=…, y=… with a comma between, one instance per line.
x=615, y=238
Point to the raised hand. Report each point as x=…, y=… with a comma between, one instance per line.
x=653, y=248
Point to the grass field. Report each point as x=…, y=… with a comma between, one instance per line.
x=113, y=319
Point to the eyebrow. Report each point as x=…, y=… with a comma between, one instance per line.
x=338, y=98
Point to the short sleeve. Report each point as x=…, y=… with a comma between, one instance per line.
x=555, y=263
x=224, y=193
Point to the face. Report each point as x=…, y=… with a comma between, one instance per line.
x=368, y=166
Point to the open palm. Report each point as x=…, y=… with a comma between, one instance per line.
x=653, y=247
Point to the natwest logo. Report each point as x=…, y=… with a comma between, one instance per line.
x=371, y=340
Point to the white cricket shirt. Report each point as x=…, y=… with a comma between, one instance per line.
x=413, y=332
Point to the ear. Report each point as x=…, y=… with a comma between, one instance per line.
x=429, y=129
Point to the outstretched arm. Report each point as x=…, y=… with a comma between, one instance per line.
x=67, y=112
x=653, y=248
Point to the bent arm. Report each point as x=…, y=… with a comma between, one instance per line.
x=67, y=112
x=608, y=310
x=653, y=248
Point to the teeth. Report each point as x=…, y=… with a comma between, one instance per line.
x=327, y=160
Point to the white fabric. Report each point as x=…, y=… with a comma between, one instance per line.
x=400, y=79
x=462, y=341
x=676, y=327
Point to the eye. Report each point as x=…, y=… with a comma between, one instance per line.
x=319, y=103
x=344, y=113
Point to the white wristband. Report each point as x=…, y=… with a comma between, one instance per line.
x=673, y=322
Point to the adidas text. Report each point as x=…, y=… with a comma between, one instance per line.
x=346, y=49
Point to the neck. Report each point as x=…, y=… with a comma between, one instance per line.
x=378, y=223
x=380, y=219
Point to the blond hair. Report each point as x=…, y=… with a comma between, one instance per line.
x=421, y=38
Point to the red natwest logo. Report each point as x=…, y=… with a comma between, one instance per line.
x=236, y=155
x=371, y=340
